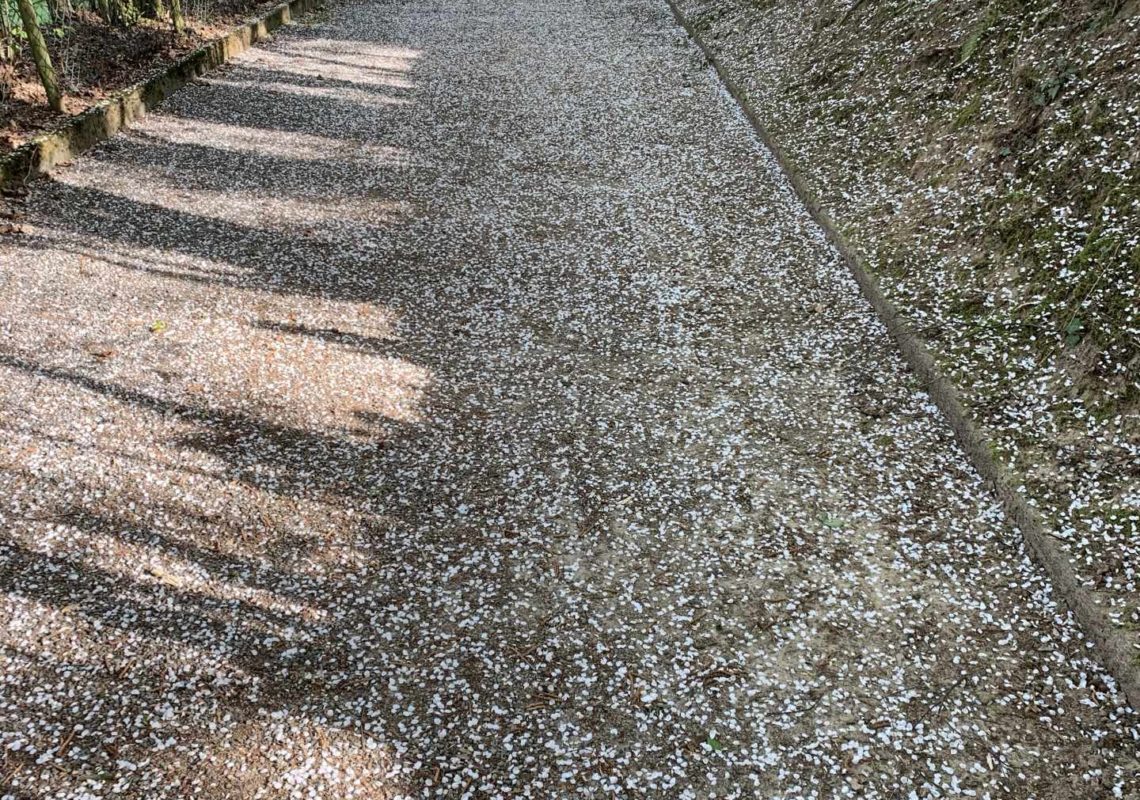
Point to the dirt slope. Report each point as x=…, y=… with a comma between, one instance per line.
x=984, y=157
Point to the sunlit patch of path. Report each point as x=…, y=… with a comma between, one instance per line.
x=452, y=400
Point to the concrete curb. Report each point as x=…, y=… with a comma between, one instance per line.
x=1111, y=647
x=105, y=119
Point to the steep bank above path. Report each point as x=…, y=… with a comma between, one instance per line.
x=984, y=158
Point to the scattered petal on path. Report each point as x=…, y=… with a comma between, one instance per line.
x=507, y=436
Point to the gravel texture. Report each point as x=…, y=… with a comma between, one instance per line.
x=452, y=400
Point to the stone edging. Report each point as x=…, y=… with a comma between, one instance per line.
x=108, y=117
x=1112, y=649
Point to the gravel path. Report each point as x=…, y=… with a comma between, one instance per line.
x=452, y=400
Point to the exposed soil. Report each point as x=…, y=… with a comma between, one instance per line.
x=94, y=60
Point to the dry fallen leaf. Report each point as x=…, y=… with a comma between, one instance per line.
x=167, y=578
x=99, y=349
